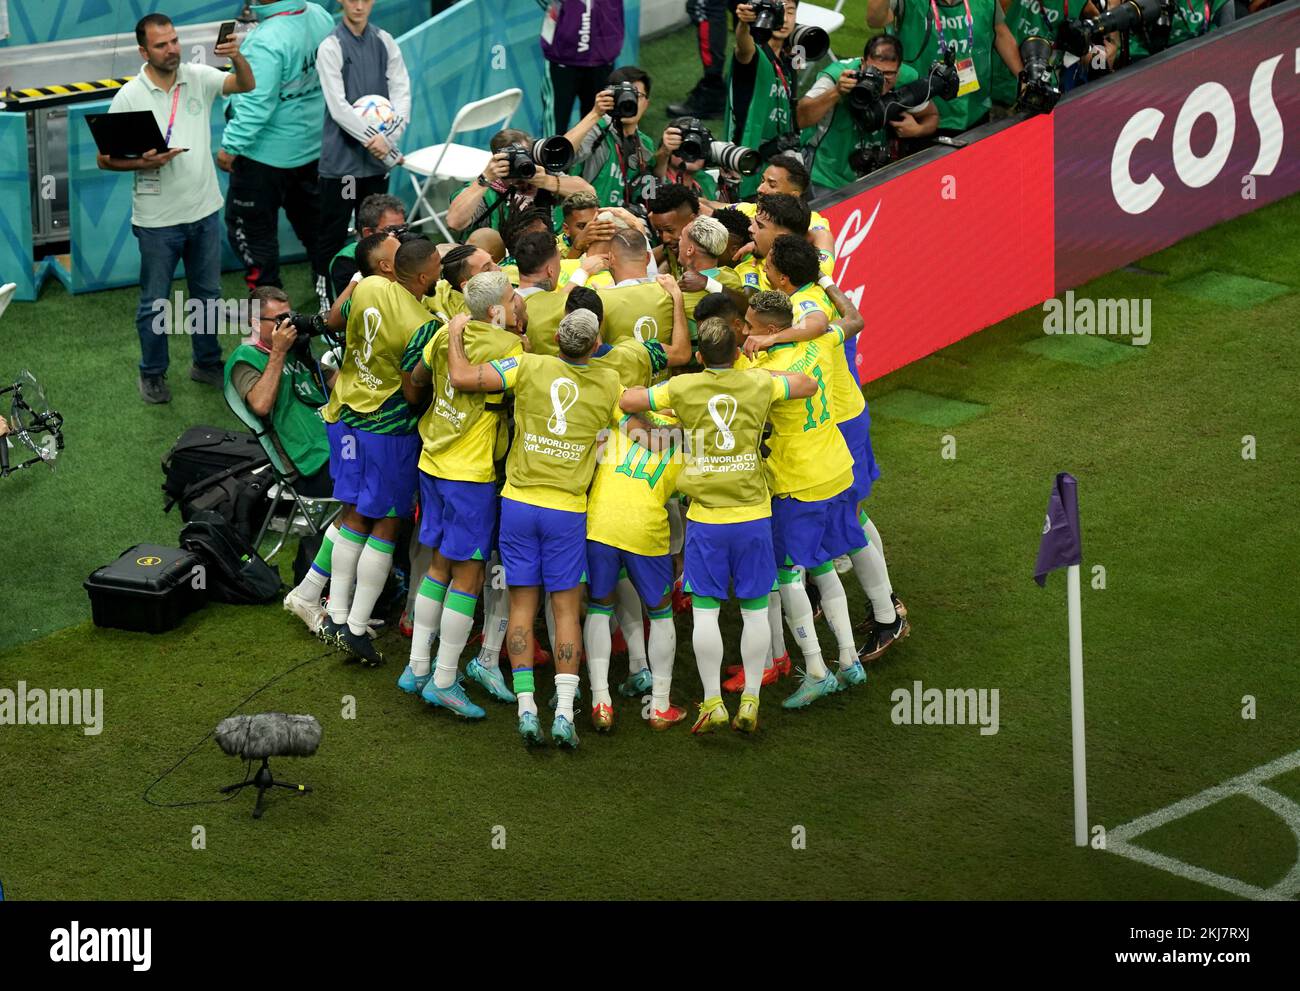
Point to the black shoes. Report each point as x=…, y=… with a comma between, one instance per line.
x=707, y=100
x=153, y=389
x=208, y=376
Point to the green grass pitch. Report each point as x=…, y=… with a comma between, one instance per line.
x=1198, y=610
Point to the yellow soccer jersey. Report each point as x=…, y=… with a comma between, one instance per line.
x=848, y=390
x=445, y=302
x=643, y=312
x=545, y=311
x=636, y=362
x=725, y=276
x=459, y=429
x=808, y=457
x=601, y=280
x=560, y=409
x=631, y=487
x=567, y=267
x=382, y=319
x=723, y=411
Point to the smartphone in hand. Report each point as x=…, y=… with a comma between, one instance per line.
x=224, y=32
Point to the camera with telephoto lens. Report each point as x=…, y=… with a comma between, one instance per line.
x=865, y=160
x=1152, y=19
x=698, y=143
x=1039, y=91
x=626, y=100
x=873, y=109
x=552, y=154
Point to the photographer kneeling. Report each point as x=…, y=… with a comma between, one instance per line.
x=852, y=130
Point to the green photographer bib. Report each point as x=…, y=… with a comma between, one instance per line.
x=916, y=31
x=1025, y=18
x=769, y=113
x=295, y=417
x=1189, y=22
x=841, y=133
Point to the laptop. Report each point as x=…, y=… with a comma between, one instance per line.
x=125, y=135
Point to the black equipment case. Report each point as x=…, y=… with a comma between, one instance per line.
x=202, y=453
x=149, y=588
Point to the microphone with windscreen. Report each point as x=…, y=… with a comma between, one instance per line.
x=263, y=736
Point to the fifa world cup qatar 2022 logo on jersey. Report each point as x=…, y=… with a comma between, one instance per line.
x=370, y=324
x=564, y=393
x=722, y=410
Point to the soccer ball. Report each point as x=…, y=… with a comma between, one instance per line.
x=376, y=111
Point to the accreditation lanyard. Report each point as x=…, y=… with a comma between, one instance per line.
x=1206, y=26
x=176, y=102
x=970, y=30
x=780, y=74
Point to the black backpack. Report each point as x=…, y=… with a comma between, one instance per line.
x=212, y=468
x=236, y=573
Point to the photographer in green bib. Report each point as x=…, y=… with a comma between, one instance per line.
x=1043, y=18
x=970, y=30
x=1191, y=19
x=761, y=90
x=841, y=142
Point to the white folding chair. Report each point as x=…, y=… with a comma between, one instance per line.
x=6, y=294
x=452, y=161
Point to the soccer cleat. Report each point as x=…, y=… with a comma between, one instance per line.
x=810, y=690
x=713, y=715
x=404, y=625
x=843, y=565
x=736, y=683
x=530, y=729
x=661, y=719
x=867, y=625
x=491, y=679
x=855, y=674
x=782, y=664
x=602, y=717
x=453, y=698
x=311, y=613
x=637, y=684
x=564, y=733
x=883, y=637
x=359, y=646
x=746, y=720
x=328, y=632
x=412, y=683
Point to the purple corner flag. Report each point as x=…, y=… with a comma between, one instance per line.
x=1061, y=544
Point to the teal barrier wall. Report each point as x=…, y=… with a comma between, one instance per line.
x=31, y=22
x=475, y=49
x=15, y=207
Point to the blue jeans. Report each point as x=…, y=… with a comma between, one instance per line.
x=199, y=244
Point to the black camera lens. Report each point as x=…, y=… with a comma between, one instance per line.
x=627, y=100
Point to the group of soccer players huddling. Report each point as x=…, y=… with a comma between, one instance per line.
x=669, y=441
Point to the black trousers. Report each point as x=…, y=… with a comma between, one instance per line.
x=339, y=203
x=710, y=20
x=582, y=82
x=254, y=199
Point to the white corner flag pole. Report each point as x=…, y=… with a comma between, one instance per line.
x=1076, y=707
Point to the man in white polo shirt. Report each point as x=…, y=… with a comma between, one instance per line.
x=176, y=198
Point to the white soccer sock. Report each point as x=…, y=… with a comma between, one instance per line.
x=835, y=607
x=343, y=572
x=454, y=631
x=794, y=599
x=776, y=629
x=663, y=648
x=421, y=558
x=372, y=572
x=873, y=535
x=425, y=618
x=496, y=618
x=869, y=566
x=596, y=641
x=566, y=685
x=755, y=638
x=706, y=639
x=628, y=613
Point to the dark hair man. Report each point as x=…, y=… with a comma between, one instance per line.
x=377, y=211
x=175, y=197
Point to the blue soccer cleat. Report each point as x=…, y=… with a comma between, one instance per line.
x=491, y=679
x=530, y=729
x=564, y=733
x=577, y=699
x=453, y=698
x=854, y=675
x=638, y=684
x=810, y=690
x=412, y=683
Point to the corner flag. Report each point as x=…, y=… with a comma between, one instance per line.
x=1061, y=546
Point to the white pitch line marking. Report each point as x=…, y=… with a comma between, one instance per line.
x=1251, y=785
